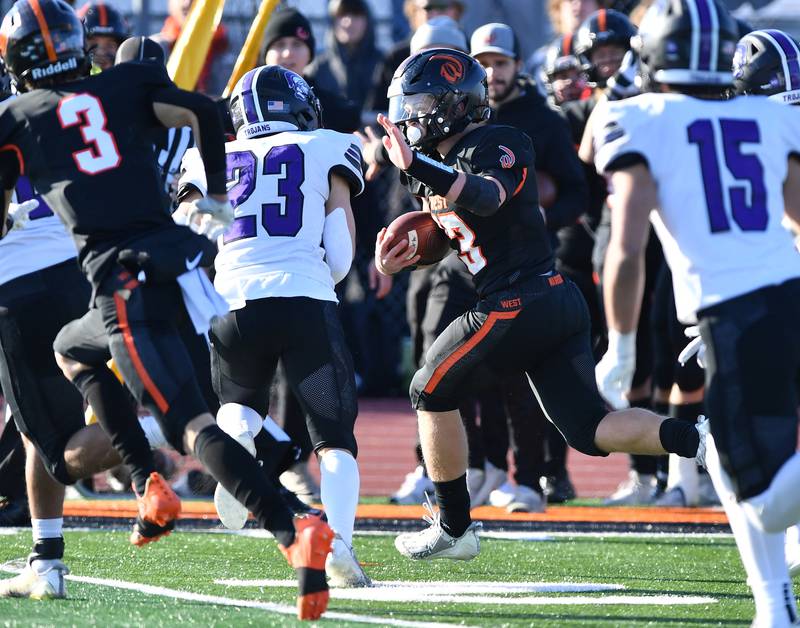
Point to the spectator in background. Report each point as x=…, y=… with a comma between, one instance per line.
x=527, y=16
x=289, y=42
x=350, y=57
x=211, y=81
x=441, y=31
x=106, y=28
x=418, y=13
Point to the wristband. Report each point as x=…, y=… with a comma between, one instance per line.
x=434, y=174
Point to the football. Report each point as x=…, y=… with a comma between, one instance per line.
x=424, y=236
x=547, y=189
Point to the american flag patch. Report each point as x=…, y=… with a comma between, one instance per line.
x=276, y=105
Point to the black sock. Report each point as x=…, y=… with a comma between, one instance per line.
x=117, y=415
x=453, y=499
x=230, y=464
x=679, y=437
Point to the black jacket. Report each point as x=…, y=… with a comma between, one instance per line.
x=555, y=152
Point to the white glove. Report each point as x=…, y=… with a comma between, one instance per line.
x=20, y=213
x=614, y=372
x=695, y=347
x=210, y=217
x=624, y=83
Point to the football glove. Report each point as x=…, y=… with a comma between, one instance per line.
x=614, y=372
x=20, y=213
x=695, y=347
x=210, y=217
x=624, y=84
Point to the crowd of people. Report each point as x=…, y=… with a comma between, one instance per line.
x=563, y=319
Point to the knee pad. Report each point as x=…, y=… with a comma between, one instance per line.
x=580, y=435
x=235, y=419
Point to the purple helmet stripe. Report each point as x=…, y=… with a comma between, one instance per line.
x=704, y=8
x=250, y=114
x=792, y=61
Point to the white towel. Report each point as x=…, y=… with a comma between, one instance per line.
x=202, y=301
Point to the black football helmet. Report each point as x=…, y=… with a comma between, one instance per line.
x=687, y=43
x=42, y=42
x=103, y=19
x=560, y=56
x=768, y=63
x=271, y=99
x=605, y=27
x=441, y=89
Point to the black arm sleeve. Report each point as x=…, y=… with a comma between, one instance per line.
x=212, y=139
x=479, y=196
x=559, y=159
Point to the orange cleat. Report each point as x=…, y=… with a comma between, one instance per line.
x=312, y=544
x=159, y=507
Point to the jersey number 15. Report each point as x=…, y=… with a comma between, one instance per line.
x=742, y=166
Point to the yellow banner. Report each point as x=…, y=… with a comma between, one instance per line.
x=190, y=51
x=248, y=56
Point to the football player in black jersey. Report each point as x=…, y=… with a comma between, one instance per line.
x=474, y=180
x=85, y=143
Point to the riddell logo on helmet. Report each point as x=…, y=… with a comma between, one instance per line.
x=54, y=68
x=452, y=68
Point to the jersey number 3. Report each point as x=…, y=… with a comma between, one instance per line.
x=101, y=153
x=742, y=166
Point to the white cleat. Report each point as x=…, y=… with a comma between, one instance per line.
x=704, y=429
x=414, y=488
x=672, y=498
x=45, y=581
x=526, y=499
x=501, y=497
x=491, y=478
x=637, y=490
x=434, y=542
x=299, y=480
x=232, y=513
x=343, y=568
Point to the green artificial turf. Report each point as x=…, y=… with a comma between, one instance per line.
x=691, y=565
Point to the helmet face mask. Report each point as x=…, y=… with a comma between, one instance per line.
x=607, y=29
x=271, y=99
x=39, y=54
x=437, y=93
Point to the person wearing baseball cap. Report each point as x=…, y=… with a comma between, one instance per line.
x=517, y=102
x=439, y=32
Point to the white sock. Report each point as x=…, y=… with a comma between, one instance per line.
x=47, y=528
x=778, y=507
x=152, y=431
x=274, y=430
x=339, y=484
x=762, y=553
x=683, y=474
x=235, y=419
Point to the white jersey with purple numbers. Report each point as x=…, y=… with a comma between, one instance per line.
x=43, y=242
x=279, y=185
x=720, y=167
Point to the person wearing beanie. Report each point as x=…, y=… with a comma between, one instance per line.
x=440, y=32
x=289, y=42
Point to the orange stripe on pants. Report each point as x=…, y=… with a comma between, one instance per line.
x=459, y=353
x=149, y=384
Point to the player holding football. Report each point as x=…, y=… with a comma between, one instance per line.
x=83, y=140
x=291, y=241
x=734, y=269
x=529, y=318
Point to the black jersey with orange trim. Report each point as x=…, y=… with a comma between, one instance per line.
x=511, y=244
x=87, y=146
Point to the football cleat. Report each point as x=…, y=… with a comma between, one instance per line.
x=704, y=429
x=307, y=555
x=558, y=488
x=299, y=480
x=44, y=581
x=526, y=499
x=413, y=489
x=343, y=568
x=491, y=478
x=159, y=507
x=637, y=490
x=232, y=513
x=434, y=542
x=672, y=498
